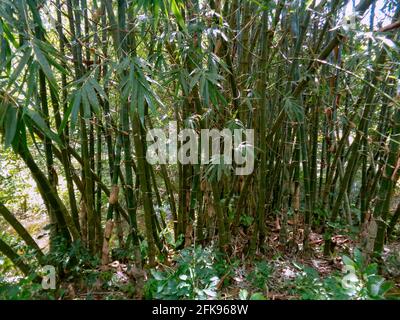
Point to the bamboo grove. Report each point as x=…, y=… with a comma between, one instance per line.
x=82, y=82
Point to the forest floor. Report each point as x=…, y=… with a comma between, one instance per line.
x=299, y=276
x=274, y=274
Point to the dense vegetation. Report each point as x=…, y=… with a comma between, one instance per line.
x=82, y=83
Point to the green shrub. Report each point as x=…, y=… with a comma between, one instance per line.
x=195, y=277
x=358, y=281
x=260, y=275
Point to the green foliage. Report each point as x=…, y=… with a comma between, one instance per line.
x=14, y=286
x=75, y=81
x=392, y=263
x=72, y=259
x=309, y=285
x=320, y=216
x=358, y=281
x=246, y=220
x=86, y=94
x=13, y=186
x=23, y=289
x=26, y=253
x=244, y=295
x=260, y=275
x=194, y=277
x=362, y=281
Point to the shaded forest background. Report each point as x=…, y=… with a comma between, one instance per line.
x=83, y=81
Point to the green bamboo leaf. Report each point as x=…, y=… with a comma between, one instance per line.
x=149, y=100
x=50, y=50
x=7, y=32
x=3, y=109
x=140, y=103
x=22, y=63
x=35, y=14
x=85, y=104
x=98, y=88
x=56, y=65
x=178, y=15
x=52, y=55
x=389, y=43
x=204, y=90
x=294, y=111
x=126, y=89
x=39, y=122
x=31, y=82
x=309, y=3
x=5, y=53
x=195, y=78
x=156, y=14
x=183, y=82
x=10, y=125
x=73, y=111
x=44, y=64
x=92, y=98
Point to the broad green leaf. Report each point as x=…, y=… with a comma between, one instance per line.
x=358, y=258
x=157, y=275
x=385, y=287
x=375, y=283
x=371, y=269
x=257, y=296
x=347, y=261
x=243, y=294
